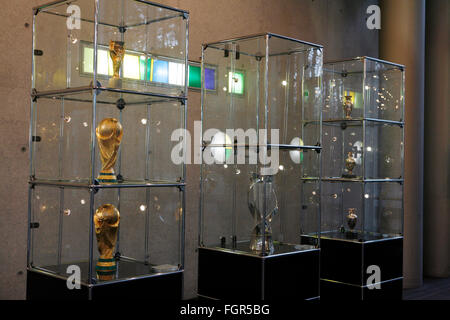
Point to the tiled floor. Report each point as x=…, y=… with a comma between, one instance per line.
x=432, y=289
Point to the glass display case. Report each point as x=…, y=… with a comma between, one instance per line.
x=260, y=177
x=106, y=201
x=362, y=175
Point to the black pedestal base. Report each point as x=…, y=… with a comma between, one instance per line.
x=43, y=286
x=389, y=290
x=348, y=267
x=224, y=274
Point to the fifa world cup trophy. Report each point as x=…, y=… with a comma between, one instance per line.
x=106, y=221
x=116, y=52
x=109, y=135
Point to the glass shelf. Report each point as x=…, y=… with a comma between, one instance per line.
x=124, y=184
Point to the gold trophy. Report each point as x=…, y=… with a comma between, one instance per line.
x=106, y=221
x=350, y=164
x=352, y=218
x=109, y=134
x=116, y=52
x=348, y=107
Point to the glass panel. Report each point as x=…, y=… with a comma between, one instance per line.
x=62, y=237
x=45, y=211
x=342, y=80
x=310, y=211
x=360, y=211
x=280, y=45
x=295, y=96
x=46, y=139
x=237, y=86
x=140, y=31
x=383, y=91
x=145, y=31
x=384, y=151
x=165, y=223
x=59, y=59
x=224, y=205
x=75, y=226
x=339, y=139
x=148, y=235
x=339, y=200
x=61, y=147
x=383, y=209
x=145, y=148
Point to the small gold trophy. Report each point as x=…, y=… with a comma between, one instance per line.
x=350, y=164
x=109, y=134
x=348, y=107
x=106, y=221
x=352, y=219
x=116, y=52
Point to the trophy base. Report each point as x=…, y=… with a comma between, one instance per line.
x=289, y=273
x=106, y=269
x=107, y=177
x=350, y=176
x=115, y=83
x=257, y=242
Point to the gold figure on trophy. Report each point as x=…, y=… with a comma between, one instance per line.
x=109, y=134
x=350, y=164
x=106, y=221
x=116, y=52
x=348, y=107
x=352, y=219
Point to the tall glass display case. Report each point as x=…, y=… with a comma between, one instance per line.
x=106, y=199
x=260, y=177
x=362, y=182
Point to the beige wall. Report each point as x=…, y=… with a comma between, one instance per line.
x=339, y=25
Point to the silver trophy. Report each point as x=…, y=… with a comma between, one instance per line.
x=263, y=205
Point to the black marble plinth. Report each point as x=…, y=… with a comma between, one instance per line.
x=344, y=264
x=133, y=281
x=292, y=272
